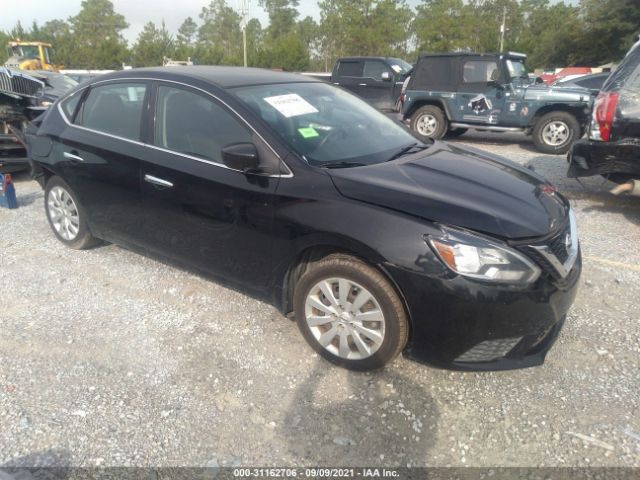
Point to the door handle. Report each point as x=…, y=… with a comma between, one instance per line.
x=158, y=181
x=71, y=156
x=362, y=84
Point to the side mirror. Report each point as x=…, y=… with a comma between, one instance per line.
x=386, y=77
x=241, y=156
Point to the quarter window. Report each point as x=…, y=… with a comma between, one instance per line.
x=69, y=104
x=192, y=124
x=115, y=109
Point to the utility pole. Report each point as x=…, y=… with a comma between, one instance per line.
x=503, y=28
x=244, y=13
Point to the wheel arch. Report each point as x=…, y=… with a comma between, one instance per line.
x=442, y=105
x=314, y=249
x=579, y=112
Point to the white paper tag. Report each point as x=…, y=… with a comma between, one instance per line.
x=291, y=105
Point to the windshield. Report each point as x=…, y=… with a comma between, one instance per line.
x=517, y=69
x=400, y=66
x=27, y=51
x=325, y=124
x=61, y=82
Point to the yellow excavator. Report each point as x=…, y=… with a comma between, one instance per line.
x=30, y=56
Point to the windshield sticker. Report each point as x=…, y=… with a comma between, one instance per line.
x=396, y=68
x=291, y=105
x=308, y=132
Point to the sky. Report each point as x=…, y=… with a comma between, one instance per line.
x=137, y=12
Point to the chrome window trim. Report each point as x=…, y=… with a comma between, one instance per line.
x=184, y=155
x=563, y=269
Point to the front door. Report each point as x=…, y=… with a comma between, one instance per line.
x=481, y=96
x=377, y=86
x=197, y=210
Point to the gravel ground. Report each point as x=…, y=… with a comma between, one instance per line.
x=111, y=358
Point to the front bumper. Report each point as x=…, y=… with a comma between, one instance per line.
x=588, y=157
x=460, y=324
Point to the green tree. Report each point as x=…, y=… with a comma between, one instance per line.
x=219, y=36
x=152, y=46
x=282, y=16
x=98, y=39
x=609, y=28
x=363, y=27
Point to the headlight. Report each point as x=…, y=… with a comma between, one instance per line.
x=476, y=257
x=46, y=103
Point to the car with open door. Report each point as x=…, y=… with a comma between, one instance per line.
x=300, y=193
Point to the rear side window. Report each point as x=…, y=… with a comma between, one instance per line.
x=115, y=109
x=350, y=69
x=433, y=73
x=374, y=69
x=627, y=75
x=190, y=123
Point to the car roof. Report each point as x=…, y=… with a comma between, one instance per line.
x=224, y=77
x=366, y=58
x=520, y=56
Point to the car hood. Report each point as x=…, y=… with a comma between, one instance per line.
x=459, y=187
x=557, y=93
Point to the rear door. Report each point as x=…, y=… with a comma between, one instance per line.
x=197, y=210
x=348, y=75
x=99, y=155
x=481, y=98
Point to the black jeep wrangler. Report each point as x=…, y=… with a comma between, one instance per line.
x=450, y=93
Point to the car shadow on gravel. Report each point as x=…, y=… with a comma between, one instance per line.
x=382, y=418
x=53, y=463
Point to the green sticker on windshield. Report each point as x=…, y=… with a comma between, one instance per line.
x=308, y=132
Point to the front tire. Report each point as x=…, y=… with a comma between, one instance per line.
x=555, y=132
x=350, y=313
x=66, y=216
x=429, y=121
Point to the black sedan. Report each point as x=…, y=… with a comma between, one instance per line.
x=298, y=192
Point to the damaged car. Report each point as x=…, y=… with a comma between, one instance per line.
x=300, y=193
x=448, y=94
x=612, y=146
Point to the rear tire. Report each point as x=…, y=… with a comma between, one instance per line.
x=429, y=121
x=350, y=314
x=66, y=216
x=555, y=132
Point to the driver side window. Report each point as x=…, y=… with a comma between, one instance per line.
x=190, y=123
x=480, y=71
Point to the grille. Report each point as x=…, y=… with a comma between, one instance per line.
x=559, y=246
x=557, y=256
x=489, y=350
x=15, y=83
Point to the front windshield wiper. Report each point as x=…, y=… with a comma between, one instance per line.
x=408, y=149
x=342, y=164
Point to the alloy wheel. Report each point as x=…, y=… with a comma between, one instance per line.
x=556, y=133
x=426, y=125
x=63, y=213
x=345, y=318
